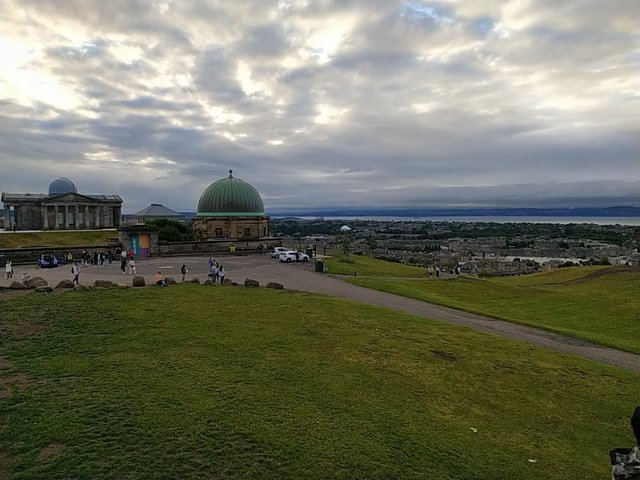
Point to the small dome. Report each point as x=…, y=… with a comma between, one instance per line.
x=230, y=197
x=62, y=185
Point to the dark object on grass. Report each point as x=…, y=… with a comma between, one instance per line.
x=248, y=282
x=44, y=289
x=15, y=285
x=138, y=281
x=274, y=285
x=170, y=280
x=194, y=280
x=102, y=283
x=625, y=462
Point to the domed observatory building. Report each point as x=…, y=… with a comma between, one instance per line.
x=232, y=209
x=63, y=208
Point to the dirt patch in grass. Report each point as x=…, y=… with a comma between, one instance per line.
x=5, y=363
x=50, y=451
x=8, y=294
x=4, y=466
x=446, y=356
x=22, y=330
x=602, y=273
x=12, y=384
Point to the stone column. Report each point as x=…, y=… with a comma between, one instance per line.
x=56, y=223
x=86, y=216
x=66, y=217
x=45, y=217
x=98, y=214
x=75, y=218
x=7, y=217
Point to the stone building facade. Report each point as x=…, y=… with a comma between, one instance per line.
x=63, y=208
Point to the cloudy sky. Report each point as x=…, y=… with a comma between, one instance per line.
x=358, y=103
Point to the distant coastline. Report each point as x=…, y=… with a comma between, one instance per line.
x=623, y=215
x=631, y=221
x=594, y=212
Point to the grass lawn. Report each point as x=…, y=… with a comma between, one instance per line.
x=56, y=239
x=369, y=266
x=223, y=382
x=583, y=302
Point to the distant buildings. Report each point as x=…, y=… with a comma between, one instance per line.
x=157, y=211
x=63, y=208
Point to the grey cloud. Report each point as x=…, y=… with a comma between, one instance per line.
x=424, y=102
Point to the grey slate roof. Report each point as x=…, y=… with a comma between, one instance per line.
x=157, y=210
x=22, y=197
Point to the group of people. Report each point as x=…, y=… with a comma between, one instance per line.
x=93, y=258
x=127, y=260
x=216, y=271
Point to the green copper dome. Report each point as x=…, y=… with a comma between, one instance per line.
x=230, y=197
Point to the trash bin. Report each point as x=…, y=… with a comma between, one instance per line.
x=319, y=266
x=232, y=248
x=310, y=252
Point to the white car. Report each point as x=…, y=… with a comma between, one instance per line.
x=277, y=251
x=294, y=256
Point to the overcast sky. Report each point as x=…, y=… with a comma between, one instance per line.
x=355, y=103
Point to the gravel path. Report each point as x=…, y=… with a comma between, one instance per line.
x=301, y=277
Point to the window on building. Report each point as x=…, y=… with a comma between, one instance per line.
x=218, y=232
x=247, y=232
x=264, y=231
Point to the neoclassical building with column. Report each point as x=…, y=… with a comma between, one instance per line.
x=63, y=208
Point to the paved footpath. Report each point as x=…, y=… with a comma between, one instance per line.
x=302, y=277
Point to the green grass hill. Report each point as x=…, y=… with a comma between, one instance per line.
x=230, y=382
x=599, y=304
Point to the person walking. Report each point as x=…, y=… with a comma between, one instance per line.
x=123, y=264
x=221, y=274
x=132, y=267
x=75, y=271
x=183, y=271
x=9, y=269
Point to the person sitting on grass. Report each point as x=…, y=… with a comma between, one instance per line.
x=160, y=280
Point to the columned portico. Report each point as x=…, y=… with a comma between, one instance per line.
x=45, y=217
x=62, y=209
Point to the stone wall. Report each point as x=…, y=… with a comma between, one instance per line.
x=216, y=246
x=30, y=255
x=249, y=228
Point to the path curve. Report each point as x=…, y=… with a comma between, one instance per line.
x=304, y=280
x=302, y=277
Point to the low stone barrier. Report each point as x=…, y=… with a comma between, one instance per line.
x=249, y=282
x=35, y=282
x=275, y=285
x=65, y=284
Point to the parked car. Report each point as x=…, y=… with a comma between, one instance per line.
x=48, y=261
x=277, y=251
x=294, y=256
